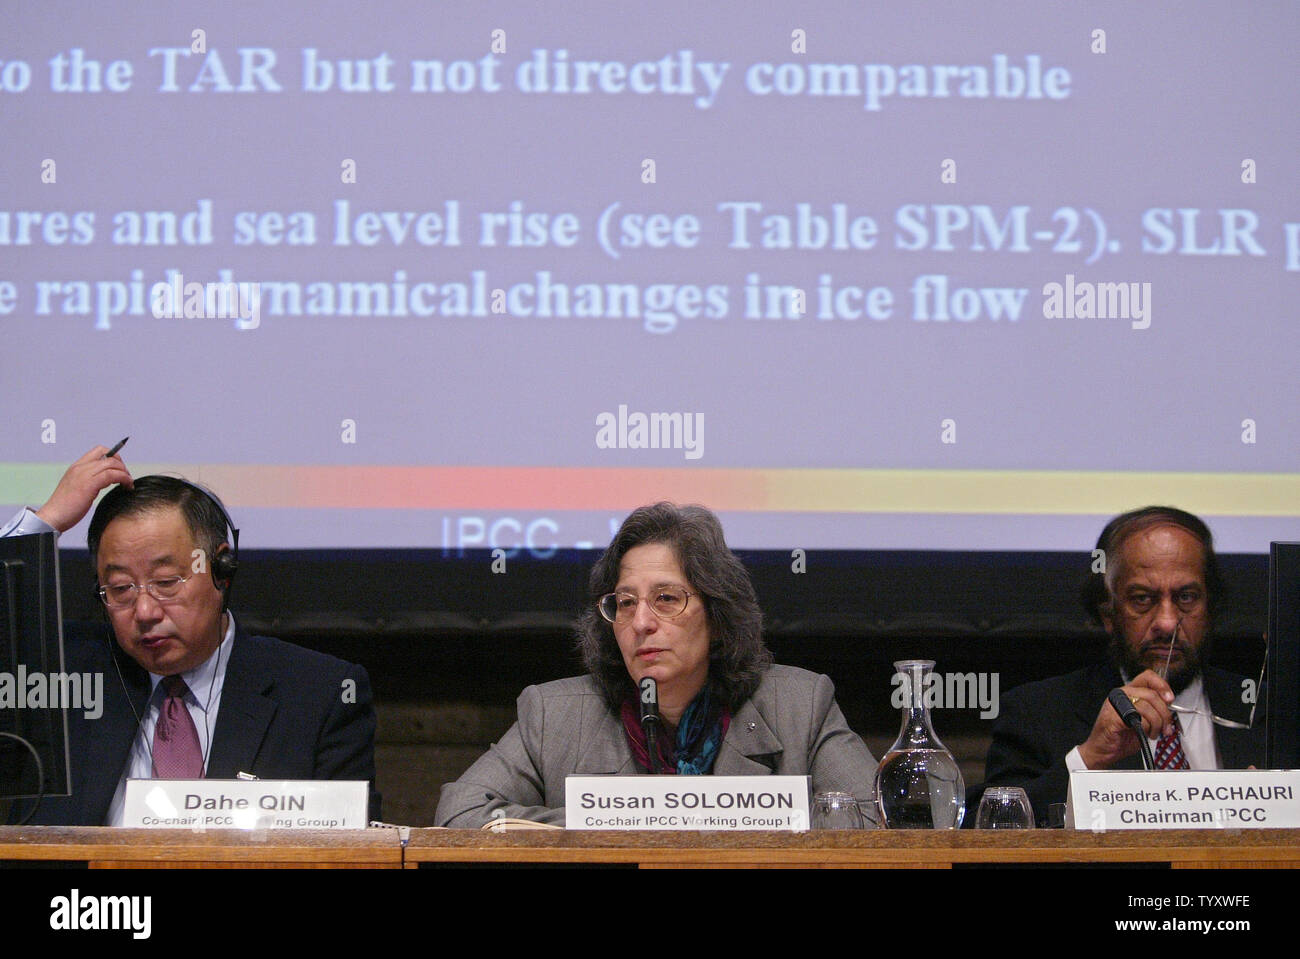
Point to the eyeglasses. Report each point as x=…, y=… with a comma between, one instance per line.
x=665, y=602
x=1217, y=720
x=124, y=595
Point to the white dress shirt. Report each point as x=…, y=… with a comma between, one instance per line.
x=24, y=523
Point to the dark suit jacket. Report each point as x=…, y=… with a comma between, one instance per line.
x=282, y=716
x=1039, y=723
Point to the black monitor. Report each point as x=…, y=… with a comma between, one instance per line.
x=1282, y=700
x=33, y=720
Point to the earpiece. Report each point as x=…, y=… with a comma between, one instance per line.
x=225, y=564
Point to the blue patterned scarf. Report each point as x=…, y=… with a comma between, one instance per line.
x=699, y=736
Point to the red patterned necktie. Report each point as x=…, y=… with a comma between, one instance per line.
x=176, y=752
x=1169, y=750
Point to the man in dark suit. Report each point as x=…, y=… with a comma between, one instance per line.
x=1155, y=594
x=187, y=692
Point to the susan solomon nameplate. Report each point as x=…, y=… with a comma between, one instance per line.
x=246, y=804
x=686, y=802
x=1191, y=799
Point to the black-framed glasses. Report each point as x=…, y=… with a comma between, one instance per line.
x=665, y=602
x=124, y=595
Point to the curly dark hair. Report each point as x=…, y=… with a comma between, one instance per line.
x=738, y=657
x=1097, y=591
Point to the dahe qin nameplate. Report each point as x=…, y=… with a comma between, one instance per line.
x=246, y=804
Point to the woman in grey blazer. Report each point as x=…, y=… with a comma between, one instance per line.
x=670, y=602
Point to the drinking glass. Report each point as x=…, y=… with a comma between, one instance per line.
x=835, y=811
x=1004, y=807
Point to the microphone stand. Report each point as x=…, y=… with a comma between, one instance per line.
x=649, y=706
x=651, y=726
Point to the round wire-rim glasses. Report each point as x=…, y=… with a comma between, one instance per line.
x=666, y=602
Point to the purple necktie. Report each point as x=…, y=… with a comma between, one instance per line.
x=176, y=752
x=1169, y=750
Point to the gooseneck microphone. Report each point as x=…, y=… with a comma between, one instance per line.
x=1133, y=720
x=650, y=722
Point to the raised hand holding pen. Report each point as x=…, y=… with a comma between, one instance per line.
x=71, y=500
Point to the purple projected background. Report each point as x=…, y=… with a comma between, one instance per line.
x=1042, y=156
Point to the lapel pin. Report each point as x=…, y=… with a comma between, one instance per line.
x=752, y=726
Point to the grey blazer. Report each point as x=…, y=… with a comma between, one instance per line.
x=790, y=727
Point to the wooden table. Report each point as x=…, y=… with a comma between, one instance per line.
x=104, y=848
x=382, y=848
x=1184, y=848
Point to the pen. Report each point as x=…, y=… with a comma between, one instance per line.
x=115, y=449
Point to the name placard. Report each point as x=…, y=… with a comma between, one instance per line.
x=1195, y=799
x=246, y=804
x=686, y=802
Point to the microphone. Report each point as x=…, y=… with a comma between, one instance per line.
x=1133, y=720
x=649, y=707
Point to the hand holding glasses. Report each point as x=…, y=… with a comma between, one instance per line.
x=1217, y=720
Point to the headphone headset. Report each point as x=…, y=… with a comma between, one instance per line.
x=225, y=563
x=223, y=567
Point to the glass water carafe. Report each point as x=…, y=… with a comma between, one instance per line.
x=918, y=783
